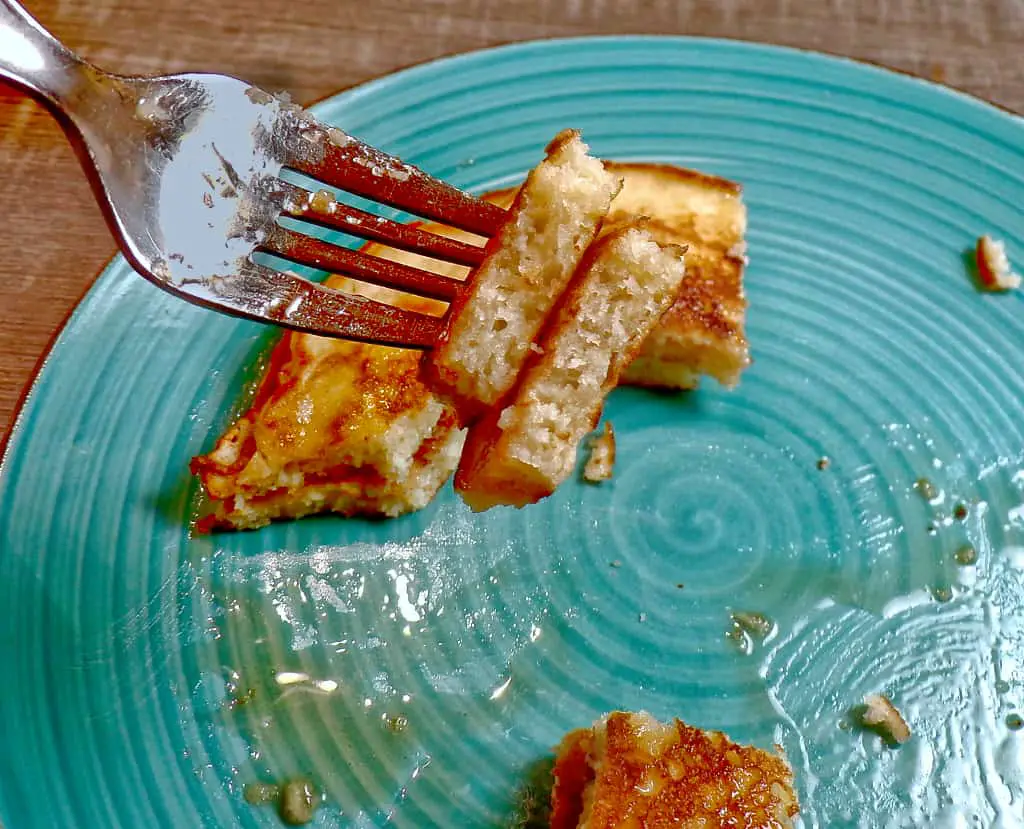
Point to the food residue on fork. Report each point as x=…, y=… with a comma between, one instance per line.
x=323, y=201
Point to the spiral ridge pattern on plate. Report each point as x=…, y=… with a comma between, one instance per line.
x=419, y=670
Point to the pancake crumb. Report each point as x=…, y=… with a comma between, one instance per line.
x=601, y=462
x=994, y=270
x=881, y=716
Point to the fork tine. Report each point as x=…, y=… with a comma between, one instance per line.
x=323, y=209
x=306, y=250
x=261, y=293
x=350, y=165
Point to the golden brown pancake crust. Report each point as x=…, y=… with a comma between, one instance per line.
x=655, y=776
x=320, y=421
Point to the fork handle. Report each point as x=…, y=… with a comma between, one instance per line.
x=35, y=60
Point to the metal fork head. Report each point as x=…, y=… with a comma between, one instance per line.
x=188, y=170
x=192, y=183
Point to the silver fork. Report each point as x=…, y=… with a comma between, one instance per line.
x=188, y=171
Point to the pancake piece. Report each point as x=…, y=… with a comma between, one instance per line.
x=631, y=770
x=524, y=447
x=490, y=326
x=601, y=461
x=703, y=334
x=335, y=426
x=265, y=466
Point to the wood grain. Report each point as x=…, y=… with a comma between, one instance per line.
x=315, y=47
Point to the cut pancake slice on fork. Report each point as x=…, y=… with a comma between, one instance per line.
x=526, y=445
x=703, y=335
x=490, y=326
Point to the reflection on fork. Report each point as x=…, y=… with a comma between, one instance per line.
x=195, y=176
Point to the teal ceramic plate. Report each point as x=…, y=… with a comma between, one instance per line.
x=124, y=640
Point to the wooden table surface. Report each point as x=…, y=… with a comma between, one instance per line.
x=314, y=47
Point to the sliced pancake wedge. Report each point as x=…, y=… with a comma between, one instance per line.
x=490, y=326
x=526, y=445
x=703, y=334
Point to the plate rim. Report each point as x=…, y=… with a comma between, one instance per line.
x=559, y=41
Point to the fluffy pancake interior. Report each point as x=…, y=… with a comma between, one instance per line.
x=552, y=220
x=523, y=449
